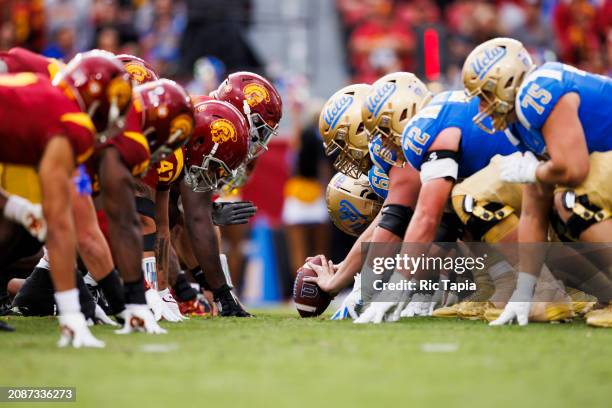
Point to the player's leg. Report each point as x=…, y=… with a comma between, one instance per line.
x=95, y=252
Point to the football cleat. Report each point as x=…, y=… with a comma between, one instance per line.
x=192, y=308
x=542, y=312
x=600, y=317
x=74, y=332
x=582, y=303
x=229, y=305
x=138, y=318
x=446, y=311
x=471, y=310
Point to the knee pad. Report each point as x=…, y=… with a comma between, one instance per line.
x=395, y=218
x=489, y=222
x=584, y=214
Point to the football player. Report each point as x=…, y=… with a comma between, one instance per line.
x=260, y=103
x=561, y=118
x=383, y=110
x=72, y=114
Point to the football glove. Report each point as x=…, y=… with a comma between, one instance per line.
x=232, y=213
x=74, y=332
x=155, y=303
x=29, y=215
x=352, y=303
x=519, y=305
x=421, y=304
x=138, y=318
x=170, y=310
x=519, y=168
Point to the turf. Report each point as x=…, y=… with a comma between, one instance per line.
x=277, y=359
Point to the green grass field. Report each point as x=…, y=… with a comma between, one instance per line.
x=278, y=359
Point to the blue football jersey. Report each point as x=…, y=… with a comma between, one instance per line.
x=379, y=181
x=539, y=93
x=453, y=109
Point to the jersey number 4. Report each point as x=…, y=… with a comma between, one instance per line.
x=537, y=98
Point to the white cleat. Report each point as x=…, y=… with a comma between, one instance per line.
x=138, y=318
x=74, y=332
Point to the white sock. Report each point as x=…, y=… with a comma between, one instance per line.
x=68, y=301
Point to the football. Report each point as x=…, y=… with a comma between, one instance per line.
x=310, y=301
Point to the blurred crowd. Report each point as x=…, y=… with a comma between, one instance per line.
x=169, y=34
x=432, y=38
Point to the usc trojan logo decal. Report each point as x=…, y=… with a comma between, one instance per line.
x=222, y=130
x=255, y=94
x=137, y=72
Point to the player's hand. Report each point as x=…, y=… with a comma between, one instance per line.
x=325, y=273
x=170, y=308
x=210, y=299
x=351, y=303
x=519, y=168
x=518, y=311
x=155, y=303
x=29, y=215
x=74, y=332
x=421, y=304
x=376, y=312
x=232, y=213
x=101, y=317
x=138, y=318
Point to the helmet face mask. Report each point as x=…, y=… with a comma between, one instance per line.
x=260, y=132
x=209, y=176
x=218, y=146
x=344, y=132
x=493, y=72
x=394, y=100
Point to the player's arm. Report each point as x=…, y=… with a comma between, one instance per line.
x=533, y=225
x=117, y=186
x=55, y=172
x=162, y=237
x=349, y=267
x=566, y=145
x=438, y=178
x=199, y=224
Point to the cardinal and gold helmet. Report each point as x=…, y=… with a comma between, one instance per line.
x=351, y=203
x=393, y=101
x=493, y=72
x=343, y=131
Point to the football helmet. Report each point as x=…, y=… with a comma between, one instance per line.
x=342, y=129
x=260, y=102
x=166, y=116
x=219, y=145
x=140, y=70
x=351, y=203
x=100, y=85
x=493, y=72
x=394, y=99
